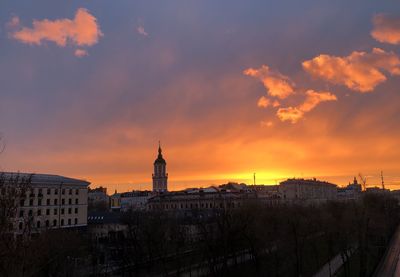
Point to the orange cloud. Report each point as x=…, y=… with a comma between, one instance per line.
x=80, y=53
x=263, y=102
x=290, y=114
x=277, y=85
x=314, y=98
x=294, y=114
x=360, y=71
x=386, y=29
x=83, y=30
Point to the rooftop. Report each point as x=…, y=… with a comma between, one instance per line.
x=43, y=178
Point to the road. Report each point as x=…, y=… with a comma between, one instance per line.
x=391, y=265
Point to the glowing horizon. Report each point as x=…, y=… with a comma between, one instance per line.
x=280, y=89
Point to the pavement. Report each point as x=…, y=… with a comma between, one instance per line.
x=390, y=265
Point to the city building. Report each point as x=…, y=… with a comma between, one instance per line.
x=350, y=192
x=307, y=190
x=135, y=200
x=46, y=201
x=98, y=197
x=115, y=202
x=160, y=175
x=199, y=199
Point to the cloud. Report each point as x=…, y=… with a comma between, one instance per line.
x=314, y=98
x=263, y=102
x=360, y=71
x=290, y=114
x=386, y=29
x=14, y=22
x=83, y=30
x=142, y=31
x=266, y=124
x=277, y=85
x=294, y=114
x=80, y=53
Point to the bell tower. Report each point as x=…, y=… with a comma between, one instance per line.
x=160, y=175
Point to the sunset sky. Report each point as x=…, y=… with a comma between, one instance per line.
x=282, y=88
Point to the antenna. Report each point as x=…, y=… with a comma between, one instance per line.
x=383, y=183
x=254, y=179
x=363, y=181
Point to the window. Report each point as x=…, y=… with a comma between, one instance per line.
x=39, y=202
x=22, y=202
x=55, y=222
x=20, y=226
x=69, y=210
x=48, y=202
x=55, y=211
x=70, y=191
x=40, y=191
x=76, y=210
x=63, y=191
x=47, y=223
x=56, y=191
x=77, y=191
x=62, y=211
x=70, y=201
x=76, y=201
x=30, y=202
x=48, y=191
x=62, y=222
x=39, y=212
x=38, y=224
x=63, y=201
x=76, y=221
x=30, y=213
x=69, y=221
x=47, y=211
x=21, y=213
x=55, y=201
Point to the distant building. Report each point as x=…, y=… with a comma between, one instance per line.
x=105, y=225
x=310, y=190
x=49, y=201
x=195, y=200
x=135, y=200
x=98, y=196
x=160, y=175
x=115, y=201
x=350, y=192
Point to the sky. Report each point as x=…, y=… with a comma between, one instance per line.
x=278, y=88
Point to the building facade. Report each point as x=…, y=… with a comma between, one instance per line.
x=160, y=175
x=47, y=201
x=310, y=190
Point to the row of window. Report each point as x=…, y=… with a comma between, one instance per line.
x=47, y=223
x=50, y=191
x=48, y=202
x=55, y=212
x=193, y=205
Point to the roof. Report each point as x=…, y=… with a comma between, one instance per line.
x=295, y=181
x=43, y=179
x=104, y=218
x=160, y=159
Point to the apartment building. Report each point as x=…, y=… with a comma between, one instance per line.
x=47, y=201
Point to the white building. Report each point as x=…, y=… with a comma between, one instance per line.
x=135, y=200
x=46, y=201
x=310, y=190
